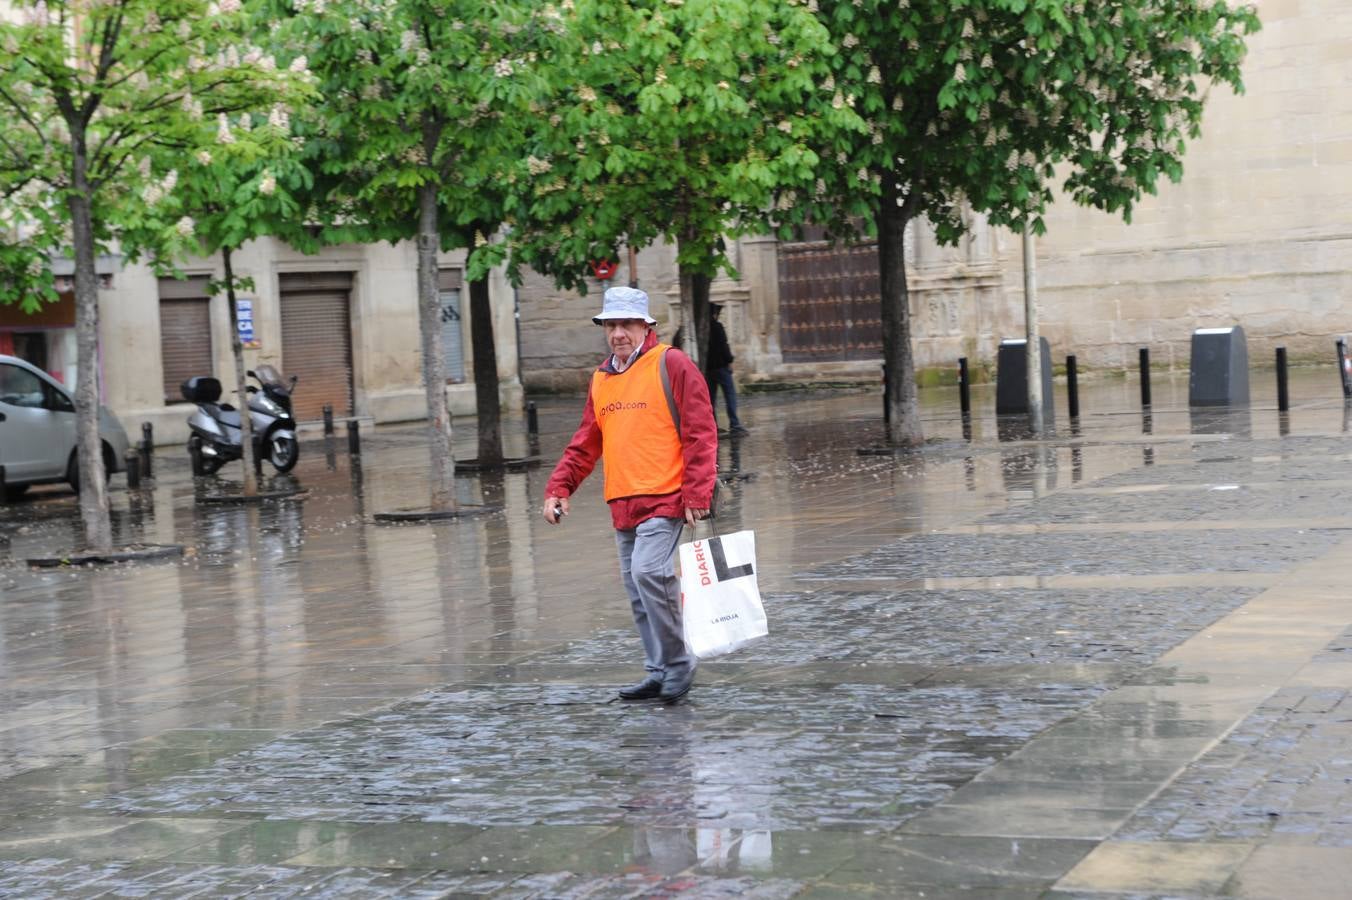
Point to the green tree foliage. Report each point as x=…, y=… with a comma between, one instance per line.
x=990, y=104
x=89, y=90
x=677, y=120
x=425, y=107
x=247, y=180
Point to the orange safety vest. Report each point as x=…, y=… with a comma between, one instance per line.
x=640, y=446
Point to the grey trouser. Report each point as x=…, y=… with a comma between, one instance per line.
x=648, y=568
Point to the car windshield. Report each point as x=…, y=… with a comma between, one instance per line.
x=268, y=375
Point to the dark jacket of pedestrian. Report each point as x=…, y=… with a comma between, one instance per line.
x=720, y=354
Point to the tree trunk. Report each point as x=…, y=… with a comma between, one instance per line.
x=246, y=432
x=93, y=484
x=694, y=311
x=903, y=427
x=485, y=373
x=433, y=362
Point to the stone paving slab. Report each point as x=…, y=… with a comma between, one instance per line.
x=1283, y=774
x=858, y=755
x=1220, y=503
x=961, y=555
x=1222, y=469
x=63, y=878
x=288, y=711
x=960, y=627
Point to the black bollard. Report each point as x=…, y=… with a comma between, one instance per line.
x=147, y=450
x=1283, y=396
x=532, y=418
x=133, y=468
x=328, y=419
x=1345, y=366
x=195, y=457
x=1073, y=387
x=1145, y=376
x=964, y=386
x=353, y=438
x=887, y=397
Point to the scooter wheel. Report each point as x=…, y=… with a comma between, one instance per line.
x=210, y=464
x=283, y=452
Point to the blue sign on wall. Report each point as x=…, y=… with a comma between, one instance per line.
x=244, y=317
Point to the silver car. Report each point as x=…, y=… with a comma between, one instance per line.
x=37, y=430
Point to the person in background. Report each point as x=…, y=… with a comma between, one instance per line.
x=719, y=371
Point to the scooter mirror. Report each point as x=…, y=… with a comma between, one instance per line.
x=250, y=373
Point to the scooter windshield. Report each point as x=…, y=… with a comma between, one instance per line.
x=269, y=376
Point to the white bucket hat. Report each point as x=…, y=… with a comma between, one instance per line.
x=624, y=303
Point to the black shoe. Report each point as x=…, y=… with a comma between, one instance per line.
x=740, y=429
x=647, y=689
x=676, y=686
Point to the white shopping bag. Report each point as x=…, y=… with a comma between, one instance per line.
x=721, y=604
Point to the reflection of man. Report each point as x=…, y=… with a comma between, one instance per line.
x=648, y=416
x=720, y=370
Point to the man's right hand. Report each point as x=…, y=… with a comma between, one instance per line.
x=555, y=509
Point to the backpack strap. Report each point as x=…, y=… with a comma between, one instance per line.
x=676, y=418
x=666, y=391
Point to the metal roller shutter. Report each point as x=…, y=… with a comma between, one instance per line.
x=317, y=343
x=185, y=333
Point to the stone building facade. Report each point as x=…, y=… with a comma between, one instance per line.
x=1258, y=233
x=344, y=320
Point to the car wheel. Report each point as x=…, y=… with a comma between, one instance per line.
x=14, y=492
x=73, y=467
x=283, y=452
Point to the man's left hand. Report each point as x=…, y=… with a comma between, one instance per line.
x=694, y=515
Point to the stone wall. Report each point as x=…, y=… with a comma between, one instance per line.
x=560, y=345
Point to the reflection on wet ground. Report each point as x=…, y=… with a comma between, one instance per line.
x=1110, y=661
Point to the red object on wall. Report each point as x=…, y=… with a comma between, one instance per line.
x=604, y=268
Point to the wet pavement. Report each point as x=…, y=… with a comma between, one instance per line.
x=1114, y=662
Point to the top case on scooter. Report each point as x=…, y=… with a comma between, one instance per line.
x=201, y=389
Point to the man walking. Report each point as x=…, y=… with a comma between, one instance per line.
x=720, y=370
x=648, y=416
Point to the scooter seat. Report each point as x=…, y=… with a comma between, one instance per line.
x=226, y=415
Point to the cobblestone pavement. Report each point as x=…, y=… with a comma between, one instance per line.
x=1110, y=663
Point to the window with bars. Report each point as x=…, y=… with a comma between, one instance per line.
x=449, y=282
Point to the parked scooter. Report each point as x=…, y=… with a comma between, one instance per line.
x=216, y=426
